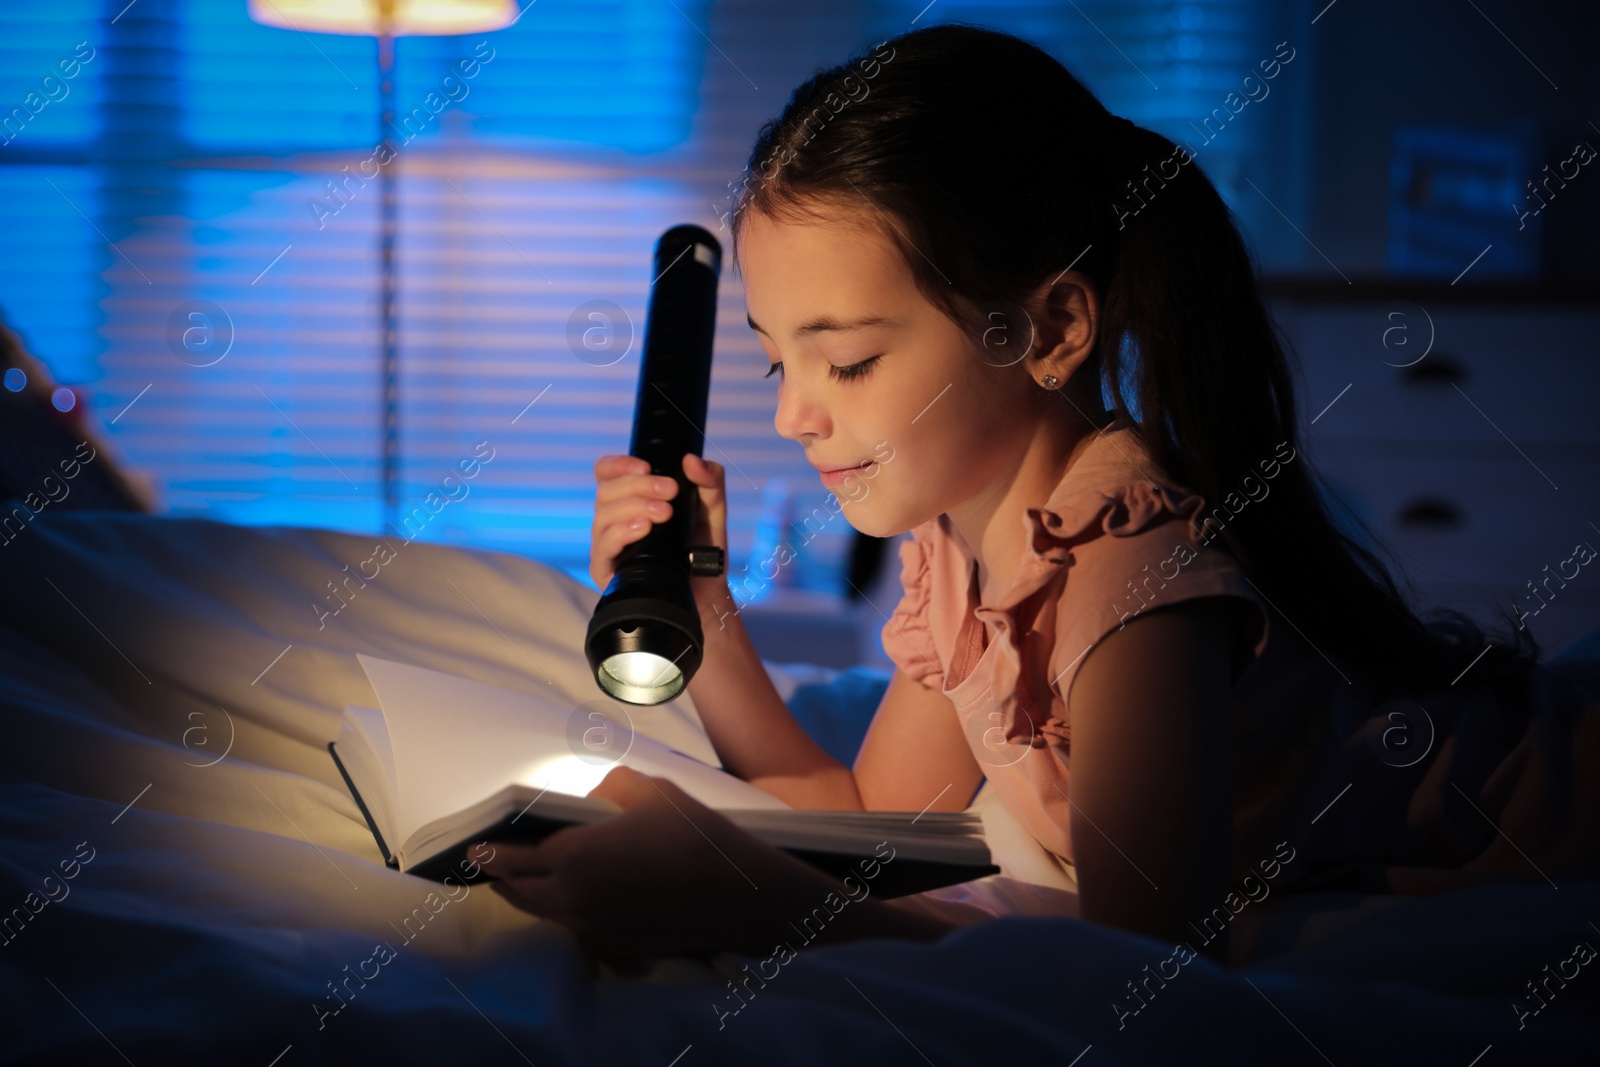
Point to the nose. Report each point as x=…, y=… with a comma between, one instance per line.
x=799, y=414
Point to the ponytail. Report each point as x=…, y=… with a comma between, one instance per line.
x=1210, y=370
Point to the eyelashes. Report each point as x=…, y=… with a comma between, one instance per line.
x=854, y=370
x=842, y=374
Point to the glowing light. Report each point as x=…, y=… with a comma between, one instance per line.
x=16, y=379
x=568, y=774
x=640, y=677
x=64, y=399
x=639, y=668
x=407, y=17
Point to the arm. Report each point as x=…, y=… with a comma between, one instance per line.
x=913, y=757
x=1152, y=774
x=747, y=722
x=873, y=917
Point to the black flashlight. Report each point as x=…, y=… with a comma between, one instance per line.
x=644, y=641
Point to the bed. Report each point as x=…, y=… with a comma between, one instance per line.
x=184, y=878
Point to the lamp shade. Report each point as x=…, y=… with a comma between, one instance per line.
x=407, y=18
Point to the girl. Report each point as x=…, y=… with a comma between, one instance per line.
x=1040, y=348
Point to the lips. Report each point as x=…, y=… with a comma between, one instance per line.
x=835, y=470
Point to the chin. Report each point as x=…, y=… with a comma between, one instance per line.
x=873, y=525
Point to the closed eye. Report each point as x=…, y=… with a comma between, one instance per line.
x=843, y=374
x=854, y=370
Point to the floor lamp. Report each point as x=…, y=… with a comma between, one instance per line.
x=386, y=20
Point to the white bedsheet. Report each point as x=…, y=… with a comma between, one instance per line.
x=167, y=694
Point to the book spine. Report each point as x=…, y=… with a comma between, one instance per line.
x=388, y=859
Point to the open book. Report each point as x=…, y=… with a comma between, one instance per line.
x=448, y=763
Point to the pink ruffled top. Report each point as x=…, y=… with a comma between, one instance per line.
x=1114, y=539
x=1106, y=545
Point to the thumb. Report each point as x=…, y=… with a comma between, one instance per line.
x=711, y=516
x=700, y=471
x=625, y=787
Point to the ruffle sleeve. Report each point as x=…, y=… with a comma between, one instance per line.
x=1092, y=552
x=908, y=635
x=1133, y=547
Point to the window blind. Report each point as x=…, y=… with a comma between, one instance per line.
x=189, y=232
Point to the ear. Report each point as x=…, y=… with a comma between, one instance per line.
x=1066, y=317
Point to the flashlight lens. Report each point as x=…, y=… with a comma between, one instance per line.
x=640, y=677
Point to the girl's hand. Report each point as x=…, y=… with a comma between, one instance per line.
x=629, y=498
x=667, y=875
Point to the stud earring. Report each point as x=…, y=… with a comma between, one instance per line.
x=1049, y=381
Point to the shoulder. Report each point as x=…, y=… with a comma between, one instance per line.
x=1195, y=641
x=1137, y=551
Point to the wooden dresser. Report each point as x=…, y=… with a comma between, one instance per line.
x=1462, y=425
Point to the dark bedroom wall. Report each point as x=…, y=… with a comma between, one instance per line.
x=1382, y=65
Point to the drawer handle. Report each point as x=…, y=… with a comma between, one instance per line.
x=1442, y=369
x=1431, y=513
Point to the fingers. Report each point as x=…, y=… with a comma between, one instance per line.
x=537, y=896
x=531, y=894
x=515, y=860
x=624, y=786
x=628, y=788
x=621, y=512
x=636, y=484
x=611, y=466
x=620, y=476
x=616, y=526
x=628, y=499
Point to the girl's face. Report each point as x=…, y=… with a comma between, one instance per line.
x=873, y=373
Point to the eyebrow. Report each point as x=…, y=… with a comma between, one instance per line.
x=824, y=323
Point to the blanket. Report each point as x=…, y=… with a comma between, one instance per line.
x=184, y=877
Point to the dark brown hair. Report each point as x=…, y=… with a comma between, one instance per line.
x=994, y=169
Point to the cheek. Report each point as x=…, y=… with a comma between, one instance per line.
x=971, y=443
x=966, y=423
x=933, y=462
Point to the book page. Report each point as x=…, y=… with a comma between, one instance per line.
x=369, y=721
x=455, y=742
x=367, y=779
